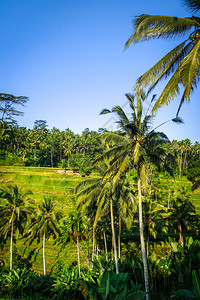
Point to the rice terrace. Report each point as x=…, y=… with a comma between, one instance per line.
x=111, y=212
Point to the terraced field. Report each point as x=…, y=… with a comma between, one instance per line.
x=52, y=181
x=44, y=181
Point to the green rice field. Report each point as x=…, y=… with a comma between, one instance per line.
x=59, y=185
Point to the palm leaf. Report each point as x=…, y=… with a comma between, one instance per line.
x=192, y=5
x=150, y=27
x=163, y=67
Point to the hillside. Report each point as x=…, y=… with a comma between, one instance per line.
x=58, y=184
x=44, y=181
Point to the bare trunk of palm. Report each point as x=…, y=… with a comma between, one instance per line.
x=88, y=251
x=144, y=255
x=24, y=154
x=44, y=254
x=119, y=237
x=181, y=238
x=35, y=153
x=147, y=242
x=105, y=244
x=79, y=266
x=184, y=163
x=11, y=243
x=97, y=252
x=180, y=170
x=93, y=245
x=51, y=156
x=113, y=234
x=169, y=196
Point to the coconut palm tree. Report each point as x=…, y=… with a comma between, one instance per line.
x=136, y=146
x=73, y=226
x=103, y=191
x=181, y=64
x=45, y=224
x=14, y=212
x=183, y=216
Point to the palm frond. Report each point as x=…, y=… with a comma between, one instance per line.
x=192, y=5
x=123, y=167
x=105, y=111
x=115, y=137
x=121, y=114
x=164, y=67
x=151, y=27
x=131, y=99
x=177, y=120
x=187, y=75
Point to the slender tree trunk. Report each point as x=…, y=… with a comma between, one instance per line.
x=51, y=156
x=24, y=154
x=169, y=196
x=93, y=244
x=88, y=252
x=113, y=234
x=11, y=243
x=180, y=170
x=44, y=254
x=181, y=238
x=79, y=266
x=105, y=244
x=112, y=250
x=60, y=152
x=97, y=252
x=147, y=242
x=119, y=237
x=35, y=152
x=144, y=255
x=184, y=163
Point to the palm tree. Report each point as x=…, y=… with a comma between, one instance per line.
x=15, y=212
x=138, y=147
x=74, y=225
x=103, y=191
x=183, y=215
x=181, y=64
x=45, y=224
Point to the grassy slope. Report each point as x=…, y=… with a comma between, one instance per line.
x=49, y=181
x=44, y=181
x=183, y=182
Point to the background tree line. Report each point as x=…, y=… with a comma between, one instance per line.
x=43, y=147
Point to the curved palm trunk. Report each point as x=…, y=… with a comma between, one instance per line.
x=181, y=238
x=79, y=266
x=105, y=244
x=144, y=255
x=119, y=237
x=11, y=243
x=44, y=254
x=93, y=244
x=113, y=234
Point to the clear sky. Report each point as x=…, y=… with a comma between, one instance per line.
x=68, y=57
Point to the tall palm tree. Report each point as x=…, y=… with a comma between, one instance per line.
x=102, y=190
x=181, y=64
x=14, y=212
x=74, y=225
x=45, y=224
x=136, y=146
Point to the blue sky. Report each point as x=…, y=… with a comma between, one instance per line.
x=68, y=57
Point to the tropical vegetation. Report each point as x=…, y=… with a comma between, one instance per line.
x=105, y=214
